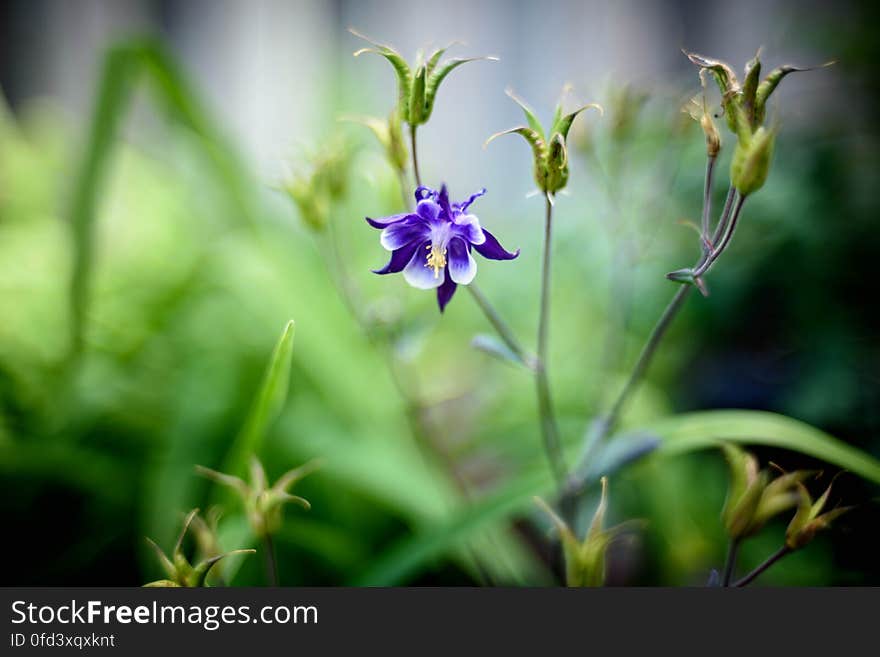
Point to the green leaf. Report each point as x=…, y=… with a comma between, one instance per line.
x=411, y=553
x=495, y=347
x=266, y=406
x=124, y=66
x=692, y=431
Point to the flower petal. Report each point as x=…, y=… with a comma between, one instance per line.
x=418, y=274
x=445, y=292
x=462, y=266
x=428, y=209
x=468, y=226
x=381, y=222
x=402, y=233
x=473, y=197
x=493, y=250
x=399, y=259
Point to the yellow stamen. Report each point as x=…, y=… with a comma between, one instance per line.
x=436, y=259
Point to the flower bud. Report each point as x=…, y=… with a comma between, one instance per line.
x=390, y=135
x=263, y=504
x=178, y=569
x=750, y=164
x=324, y=182
x=809, y=519
x=753, y=498
x=550, y=154
x=417, y=85
x=585, y=559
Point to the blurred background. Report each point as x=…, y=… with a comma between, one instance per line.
x=199, y=260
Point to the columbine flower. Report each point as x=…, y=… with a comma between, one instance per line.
x=432, y=246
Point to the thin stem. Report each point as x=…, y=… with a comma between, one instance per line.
x=645, y=357
x=500, y=326
x=415, y=157
x=707, y=201
x=549, y=429
x=730, y=562
x=271, y=562
x=772, y=559
x=725, y=214
x=725, y=240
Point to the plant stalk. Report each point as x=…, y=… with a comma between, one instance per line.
x=772, y=559
x=271, y=561
x=730, y=562
x=415, y=157
x=549, y=428
x=504, y=331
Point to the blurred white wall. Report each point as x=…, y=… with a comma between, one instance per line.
x=274, y=71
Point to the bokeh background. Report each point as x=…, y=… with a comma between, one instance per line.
x=197, y=267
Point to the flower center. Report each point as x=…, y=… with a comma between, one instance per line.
x=436, y=258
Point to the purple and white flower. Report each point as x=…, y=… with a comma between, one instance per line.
x=432, y=246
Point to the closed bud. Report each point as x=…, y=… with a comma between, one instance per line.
x=178, y=569
x=263, y=504
x=809, y=518
x=389, y=133
x=750, y=164
x=322, y=182
x=417, y=85
x=754, y=498
x=549, y=151
x=585, y=558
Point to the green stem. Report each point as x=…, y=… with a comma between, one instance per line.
x=725, y=240
x=707, y=201
x=645, y=357
x=730, y=562
x=271, y=562
x=415, y=157
x=772, y=559
x=549, y=429
x=504, y=331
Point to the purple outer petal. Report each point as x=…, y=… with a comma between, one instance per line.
x=468, y=227
x=445, y=292
x=493, y=250
x=399, y=259
x=381, y=222
x=401, y=233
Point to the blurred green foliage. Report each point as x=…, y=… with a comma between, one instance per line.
x=185, y=270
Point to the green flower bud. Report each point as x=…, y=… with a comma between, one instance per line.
x=585, y=559
x=745, y=107
x=697, y=108
x=550, y=154
x=263, y=504
x=417, y=85
x=324, y=182
x=753, y=498
x=178, y=569
x=390, y=135
x=750, y=164
x=809, y=519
